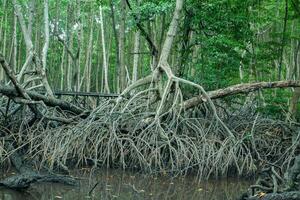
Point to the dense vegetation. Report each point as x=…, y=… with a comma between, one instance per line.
x=219, y=43
x=170, y=62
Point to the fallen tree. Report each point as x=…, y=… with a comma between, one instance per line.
x=238, y=89
x=28, y=176
x=11, y=92
x=36, y=97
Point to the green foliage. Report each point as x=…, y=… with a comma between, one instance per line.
x=276, y=102
x=222, y=32
x=216, y=39
x=148, y=11
x=151, y=9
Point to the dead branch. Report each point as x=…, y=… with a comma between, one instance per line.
x=238, y=89
x=51, y=102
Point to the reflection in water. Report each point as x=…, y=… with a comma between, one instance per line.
x=116, y=184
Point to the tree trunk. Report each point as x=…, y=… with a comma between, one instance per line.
x=77, y=73
x=62, y=70
x=136, y=56
x=15, y=45
x=291, y=115
x=105, y=64
x=71, y=64
x=122, y=46
x=116, y=69
x=237, y=89
x=166, y=49
x=46, y=32
x=31, y=55
x=31, y=18
x=86, y=77
x=283, y=41
x=27, y=39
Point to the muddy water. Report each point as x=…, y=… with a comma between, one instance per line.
x=116, y=184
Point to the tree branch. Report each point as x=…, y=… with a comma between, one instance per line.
x=237, y=89
x=151, y=44
x=51, y=102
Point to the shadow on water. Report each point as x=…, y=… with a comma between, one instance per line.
x=116, y=184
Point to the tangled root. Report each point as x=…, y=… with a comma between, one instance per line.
x=154, y=132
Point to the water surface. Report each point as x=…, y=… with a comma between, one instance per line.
x=117, y=184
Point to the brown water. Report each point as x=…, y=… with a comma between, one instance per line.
x=116, y=184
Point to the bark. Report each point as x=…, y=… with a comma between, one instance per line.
x=31, y=17
x=31, y=55
x=291, y=64
x=241, y=68
x=136, y=56
x=5, y=33
x=71, y=60
x=105, y=63
x=42, y=74
x=122, y=46
x=62, y=70
x=51, y=102
x=2, y=31
x=87, y=71
x=78, y=53
x=26, y=35
x=162, y=28
x=98, y=61
x=185, y=49
x=166, y=49
x=238, y=89
x=41, y=66
x=296, y=94
x=1, y=22
x=46, y=32
x=15, y=45
x=283, y=41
